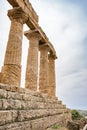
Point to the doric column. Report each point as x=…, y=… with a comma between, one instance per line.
x=44, y=75
x=32, y=60
x=12, y=64
x=52, y=82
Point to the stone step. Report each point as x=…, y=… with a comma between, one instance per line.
x=9, y=116
x=10, y=104
x=40, y=113
x=23, y=94
x=41, y=123
x=22, y=109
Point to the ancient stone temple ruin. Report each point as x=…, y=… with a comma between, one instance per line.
x=29, y=108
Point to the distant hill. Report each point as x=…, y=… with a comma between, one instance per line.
x=83, y=112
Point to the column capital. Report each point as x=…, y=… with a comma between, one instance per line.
x=51, y=57
x=18, y=14
x=33, y=35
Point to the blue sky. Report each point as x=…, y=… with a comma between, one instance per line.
x=65, y=24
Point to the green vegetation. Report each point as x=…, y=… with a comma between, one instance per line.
x=76, y=115
x=1, y=96
x=56, y=126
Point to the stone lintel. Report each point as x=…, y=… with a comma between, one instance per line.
x=46, y=40
x=32, y=21
x=26, y=6
x=33, y=35
x=18, y=14
x=13, y=3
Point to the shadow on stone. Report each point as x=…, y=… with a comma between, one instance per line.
x=73, y=125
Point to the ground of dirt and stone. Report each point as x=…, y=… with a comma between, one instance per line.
x=77, y=124
x=62, y=128
x=71, y=125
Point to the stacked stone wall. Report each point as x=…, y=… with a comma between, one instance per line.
x=22, y=109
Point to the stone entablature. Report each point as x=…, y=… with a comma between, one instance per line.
x=33, y=20
x=26, y=6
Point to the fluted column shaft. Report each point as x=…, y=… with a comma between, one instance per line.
x=44, y=75
x=52, y=82
x=12, y=63
x=32, y=60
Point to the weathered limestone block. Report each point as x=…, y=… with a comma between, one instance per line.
x=38, y=124
x=31, y=105
x=14, y=92
x=44, y=74
x=8, y=116
x=32, y=60
x=46, y=122
x=40, y=105
x=7, y=104
x=50, y=99
x=18, y=104
x=17, y=126
x=24, y=115
x=52, y=82
x=28, y=97
x=13, y=95
x=5, y=87
x=5, y=117
x=3, y=93
x=12, y=63
x=11, y=104
x=14, y=115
